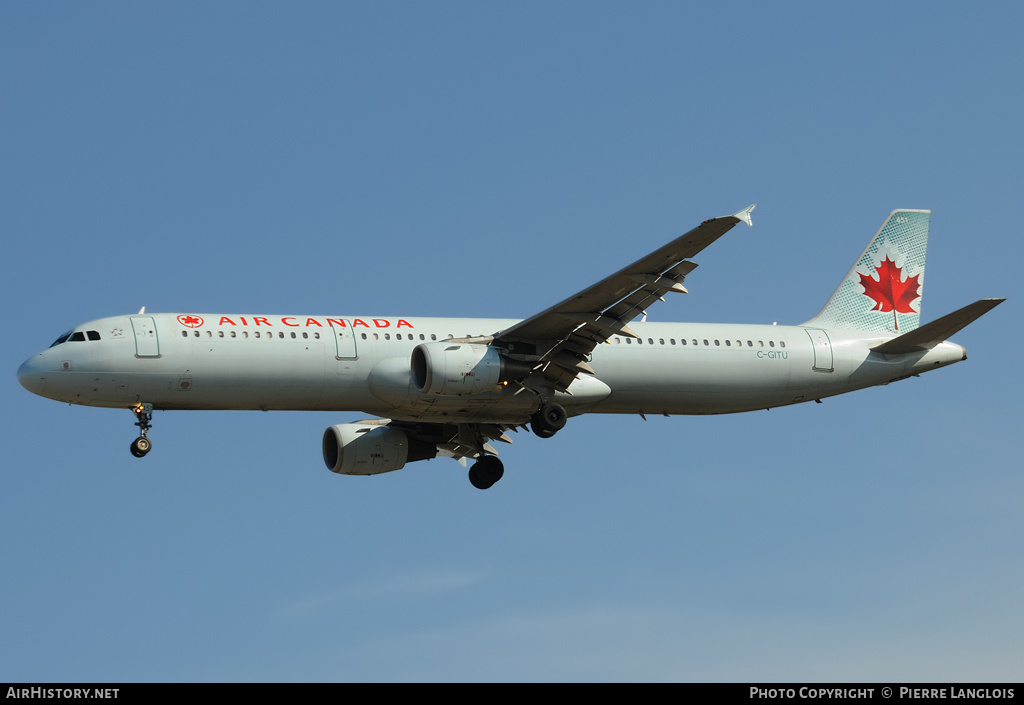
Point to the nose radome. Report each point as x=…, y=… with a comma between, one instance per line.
x=31, y=375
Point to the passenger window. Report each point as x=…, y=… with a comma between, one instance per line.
x=305, y=334
x=717, y=344
x=728, y=343
x=364, y=335
x=184, y=334
x=316, y=335
x=220, y=334
x=672, y=341
x=782, y=343
x=629, y=341
x=387, y=336
x=281, y=335
x=233, y=334
x=197, y=334
x=650, y=341
x=433, y=337
x=750, y=343
x=422, y=337
x=771, y=343
x=705, y=342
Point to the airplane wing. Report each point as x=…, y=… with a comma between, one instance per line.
x=461, y=441
x=559, y=340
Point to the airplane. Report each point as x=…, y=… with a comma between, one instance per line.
x=448, y=387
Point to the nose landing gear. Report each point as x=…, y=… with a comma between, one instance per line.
x=142, y=445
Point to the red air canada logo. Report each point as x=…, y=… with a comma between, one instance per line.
x=190, y=321
x=193, y=321
x=890, y=291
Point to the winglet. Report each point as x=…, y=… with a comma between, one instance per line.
x=744, y=215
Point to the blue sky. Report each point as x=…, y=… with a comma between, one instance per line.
x=486, y=159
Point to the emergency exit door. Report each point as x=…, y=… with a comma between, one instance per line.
x=346, y=341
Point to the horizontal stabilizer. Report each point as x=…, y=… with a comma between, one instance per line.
x=937, y=331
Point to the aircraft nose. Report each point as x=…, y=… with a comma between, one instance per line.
x=32, y=376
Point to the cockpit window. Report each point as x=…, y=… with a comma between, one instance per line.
x=61, y=339
x=76, y=337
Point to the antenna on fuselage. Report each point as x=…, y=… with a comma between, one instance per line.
x=141, y=311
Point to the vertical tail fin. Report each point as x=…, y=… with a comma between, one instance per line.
x=884, y=290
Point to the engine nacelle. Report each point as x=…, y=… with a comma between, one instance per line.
x=450, y=368
x=362, y=449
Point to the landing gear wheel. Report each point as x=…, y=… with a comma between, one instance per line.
x=549, y=420
x=140, y=446
x=485, y=472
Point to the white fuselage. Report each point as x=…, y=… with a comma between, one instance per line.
x=363, y=364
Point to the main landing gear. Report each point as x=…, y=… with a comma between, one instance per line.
x=142, y=445
x=549, y=420
x=486, y=471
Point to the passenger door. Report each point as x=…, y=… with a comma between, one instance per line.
x=146, y=342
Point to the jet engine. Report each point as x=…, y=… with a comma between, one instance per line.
x=449, y=368
x=364, y=449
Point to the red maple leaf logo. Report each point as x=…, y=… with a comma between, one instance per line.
x=190, y=321
x=889, y=291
